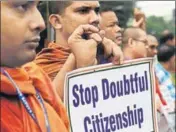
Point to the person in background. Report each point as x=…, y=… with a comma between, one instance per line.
x=152, y=46
x=167, y=38
x=152, y=52
x=166, y=65
x=134, y=43
x=110, y=24
x=113, y=32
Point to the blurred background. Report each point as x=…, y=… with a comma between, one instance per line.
x=160, y=15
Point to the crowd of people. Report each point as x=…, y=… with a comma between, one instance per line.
x=86, y=34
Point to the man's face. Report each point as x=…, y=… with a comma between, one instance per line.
x=141, y=45
x=109, y=23
x=79, y=13
x=171, y=42
x=152, y=49
x=21, y=24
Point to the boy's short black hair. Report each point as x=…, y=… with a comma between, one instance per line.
x=166, y=37
x=165, y=52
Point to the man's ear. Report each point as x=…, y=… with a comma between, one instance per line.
x=55, y=21
x=130, y=42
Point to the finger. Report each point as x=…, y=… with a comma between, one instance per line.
x=115, y=60
x=121, y=59
x=96, y=37
x=138, y=23
x=108, y=46
x=93, y=43
x=85, y=29
x=95, y=62
x=141, y=20
x=102, y=33
x=117, y=52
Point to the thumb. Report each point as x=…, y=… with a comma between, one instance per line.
x=138, y=23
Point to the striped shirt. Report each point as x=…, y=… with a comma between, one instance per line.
x=165, y=83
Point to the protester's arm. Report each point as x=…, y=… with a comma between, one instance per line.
x=139, y=19
x=83, y=54
x=60, y=77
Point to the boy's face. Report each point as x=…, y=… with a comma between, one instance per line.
x=21, y=24
x=152, y=49
x=141, y=46
x=78, y=13
x=110, y=24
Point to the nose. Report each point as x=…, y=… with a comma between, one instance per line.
x=37, y=23
x=94, y=18
x=155, y=51
x=118, y=29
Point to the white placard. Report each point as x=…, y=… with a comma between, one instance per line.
x=108, y=98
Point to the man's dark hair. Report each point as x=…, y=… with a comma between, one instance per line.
x=165, y=52
x=104, y=8
x=58, y=7
x=166, y=37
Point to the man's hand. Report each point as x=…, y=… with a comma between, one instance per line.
x=140, y=23
x=139, y=19
x=85, y=50
x=111, y=48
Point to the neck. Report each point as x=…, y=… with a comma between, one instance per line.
x=165, y=65
x=61, y=39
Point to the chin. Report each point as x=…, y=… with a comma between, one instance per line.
x=31, y=58
x=28, y=58
x=118, y=43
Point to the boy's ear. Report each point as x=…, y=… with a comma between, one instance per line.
x=55, y=21
x=130, y=42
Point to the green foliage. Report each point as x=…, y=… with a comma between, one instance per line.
x=156, y=25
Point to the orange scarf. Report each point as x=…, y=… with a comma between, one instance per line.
x=14, y=116
x=52, y=59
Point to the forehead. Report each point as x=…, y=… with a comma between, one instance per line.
x=109, y=15
x=153, y=43
x=91, y=4
x=152, y=40
x=18, y=2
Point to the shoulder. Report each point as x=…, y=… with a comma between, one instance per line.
x=33, y=68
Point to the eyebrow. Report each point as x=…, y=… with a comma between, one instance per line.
x=83, y=7
x=88, y=7
x=114, y=22
x=24, y=2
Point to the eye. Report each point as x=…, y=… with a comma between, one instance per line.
x=97, y=10
x=24, y=6
x=112, y=25
x=153, y=47
x=117, y=23
x=84, y=10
